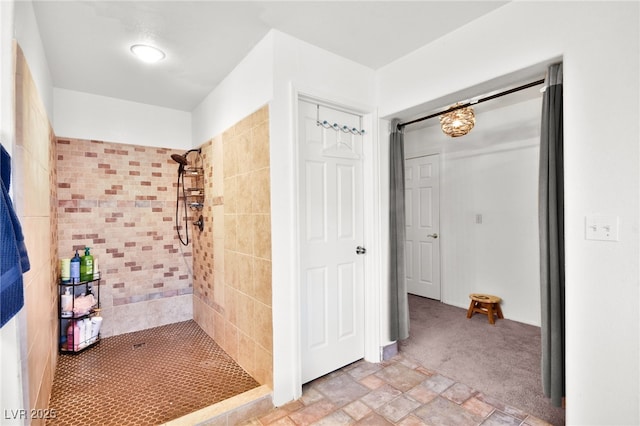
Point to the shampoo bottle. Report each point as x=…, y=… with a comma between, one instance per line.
x=75, y=268
x=86, y=266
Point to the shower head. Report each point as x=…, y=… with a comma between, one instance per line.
x=180, y=159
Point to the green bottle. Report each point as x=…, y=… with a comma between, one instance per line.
x=86, y=266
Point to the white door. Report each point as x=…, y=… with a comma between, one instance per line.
x=331, y=227
x=423, y=226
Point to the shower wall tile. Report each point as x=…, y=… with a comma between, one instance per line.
x=119, y=199
x=34, y=198
x=236, y=293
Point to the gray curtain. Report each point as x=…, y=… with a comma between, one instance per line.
x=551, y=212
x=399, y=305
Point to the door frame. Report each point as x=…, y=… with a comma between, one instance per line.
x=373, y=225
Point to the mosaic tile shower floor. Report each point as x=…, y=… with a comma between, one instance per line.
x=145, y=378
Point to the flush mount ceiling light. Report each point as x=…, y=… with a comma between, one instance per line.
x=147, y=53
x=457, y=122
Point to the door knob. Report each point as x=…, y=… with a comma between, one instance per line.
x=360, y=250
x=433, y=235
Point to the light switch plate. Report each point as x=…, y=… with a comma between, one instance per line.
x=601, y=228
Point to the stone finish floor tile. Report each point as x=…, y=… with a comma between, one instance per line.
x=412, y=420
x=336, y=418
x=401, y=377
x=357, y=410
x=478, y=407
x=380, y=396
x=534, y=421
x=363, y=369
x=442, y=412
x=341, y=389
x=397, y=409
x=312, y=413
x=373, y=419
x=372, y=382
x=512, y=411
x=438, y=383
x=458, y=393
x=498, y=418
x=368, y=394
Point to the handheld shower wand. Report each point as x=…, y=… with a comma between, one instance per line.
x=182, y=161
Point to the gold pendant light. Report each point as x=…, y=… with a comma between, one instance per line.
x=457, y=122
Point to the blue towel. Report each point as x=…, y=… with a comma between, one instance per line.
x=14, y=260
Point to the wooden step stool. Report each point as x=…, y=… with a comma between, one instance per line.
x=485, y=304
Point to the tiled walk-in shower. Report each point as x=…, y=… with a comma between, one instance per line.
x=146, y=377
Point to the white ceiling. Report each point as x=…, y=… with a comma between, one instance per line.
x=87, y=42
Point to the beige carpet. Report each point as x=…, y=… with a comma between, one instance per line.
x=501, y=360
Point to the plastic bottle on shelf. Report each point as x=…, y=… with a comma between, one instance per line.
x=66, y=303
x=86, y=265
x=75, y=268
x=65, y=271
x=87, y=331
x=70, y=340
x=81, y=341
x=76, y=336
x=96, y=268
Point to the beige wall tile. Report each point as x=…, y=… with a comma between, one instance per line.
x=260, y=154
x=241, y=281
x=35, y=192
x=247, y=353
x=230, y=232
x=245, y=274
x=263, y=329
x=262, y=281
x=260, y=191
x=231, y=340
x=246, y=234
x=262, y=233
x=263, y=366
x=231, y=194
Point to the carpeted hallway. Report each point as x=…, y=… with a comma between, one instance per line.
x=501, y=360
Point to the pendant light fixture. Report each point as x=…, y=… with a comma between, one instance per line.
x=457, y=121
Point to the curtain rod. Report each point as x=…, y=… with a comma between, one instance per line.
x=400, y=126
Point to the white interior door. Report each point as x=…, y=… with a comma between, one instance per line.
x=331, y=227
x=423, y=226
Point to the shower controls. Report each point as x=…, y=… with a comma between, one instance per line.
x=199, y=223
x=191, y=197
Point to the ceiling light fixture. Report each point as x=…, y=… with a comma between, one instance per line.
x=147, y=53
x=457, y=122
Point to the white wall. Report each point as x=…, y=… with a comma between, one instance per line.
x=87, y=116
x=245, y=90
x=492, y=171
x=599, y=44
x=299, y=67
x=277, y=68
x=28, y=36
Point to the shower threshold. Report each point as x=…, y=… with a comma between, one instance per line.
x=174, y=374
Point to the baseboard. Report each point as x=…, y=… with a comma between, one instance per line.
x=389, y=351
